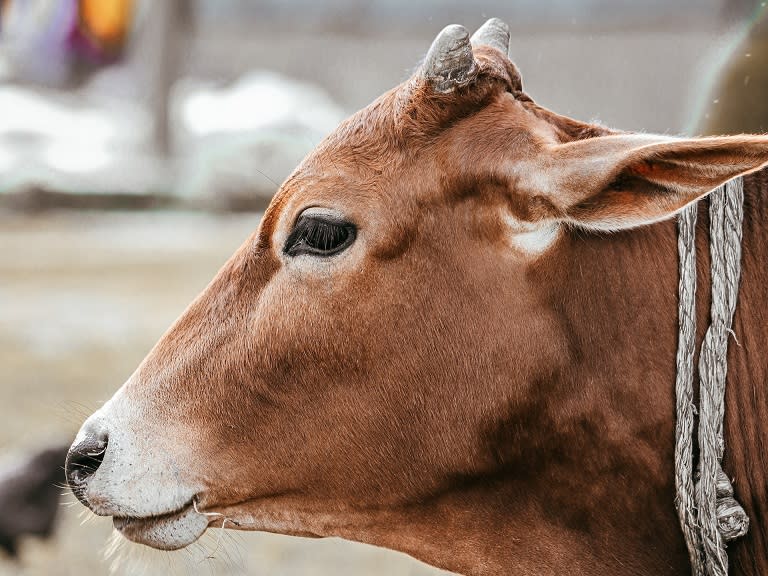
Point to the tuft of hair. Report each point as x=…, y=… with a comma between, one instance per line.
x=217, y=552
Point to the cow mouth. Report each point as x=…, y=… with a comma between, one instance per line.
x=167, y=531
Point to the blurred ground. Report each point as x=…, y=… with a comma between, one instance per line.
x=83, y=296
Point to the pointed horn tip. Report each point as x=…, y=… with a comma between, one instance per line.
x=494, y=33
x=451, y=40
x=450, y=62
x=452, y=31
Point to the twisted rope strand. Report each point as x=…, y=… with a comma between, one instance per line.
x=711, y=383
x=686, y=411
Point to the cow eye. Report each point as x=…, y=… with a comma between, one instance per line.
x=319, y=235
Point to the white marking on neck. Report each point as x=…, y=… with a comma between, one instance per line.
x=530, y=238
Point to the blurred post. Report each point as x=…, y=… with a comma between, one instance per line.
x=168, y=25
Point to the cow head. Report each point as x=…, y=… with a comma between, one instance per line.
x=351, y=362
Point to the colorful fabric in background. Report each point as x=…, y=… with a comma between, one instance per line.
x=102, y=27
x=52, y=41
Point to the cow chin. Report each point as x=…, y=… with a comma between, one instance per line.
x=165, y=532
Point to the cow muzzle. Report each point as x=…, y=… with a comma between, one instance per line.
x=135, y=476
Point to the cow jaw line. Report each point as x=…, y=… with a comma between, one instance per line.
x=169, y=531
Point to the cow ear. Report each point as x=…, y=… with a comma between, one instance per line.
x=622, y=181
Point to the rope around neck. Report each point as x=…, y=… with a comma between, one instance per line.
x=709, y=515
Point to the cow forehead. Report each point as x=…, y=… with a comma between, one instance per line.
x=382, y=157
x=377, y=142
x=355, y=162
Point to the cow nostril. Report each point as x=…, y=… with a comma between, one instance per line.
x=82, y=462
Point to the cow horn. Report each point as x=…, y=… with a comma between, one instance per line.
x=449, y=62
x=494, y=33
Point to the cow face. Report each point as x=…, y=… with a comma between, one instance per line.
x=354, y=357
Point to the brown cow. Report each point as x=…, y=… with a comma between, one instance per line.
x=432, y=344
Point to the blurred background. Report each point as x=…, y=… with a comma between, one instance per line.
x=140, y=141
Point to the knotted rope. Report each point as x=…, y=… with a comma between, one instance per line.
x=709, y=515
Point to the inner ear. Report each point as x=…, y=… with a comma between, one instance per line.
x=617, y=182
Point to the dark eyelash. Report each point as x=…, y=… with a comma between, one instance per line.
x=319, y=235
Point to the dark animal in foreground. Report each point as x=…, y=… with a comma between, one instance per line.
x=30, y=494
x=432, y=344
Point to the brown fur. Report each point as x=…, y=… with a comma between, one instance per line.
x=439, y=392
